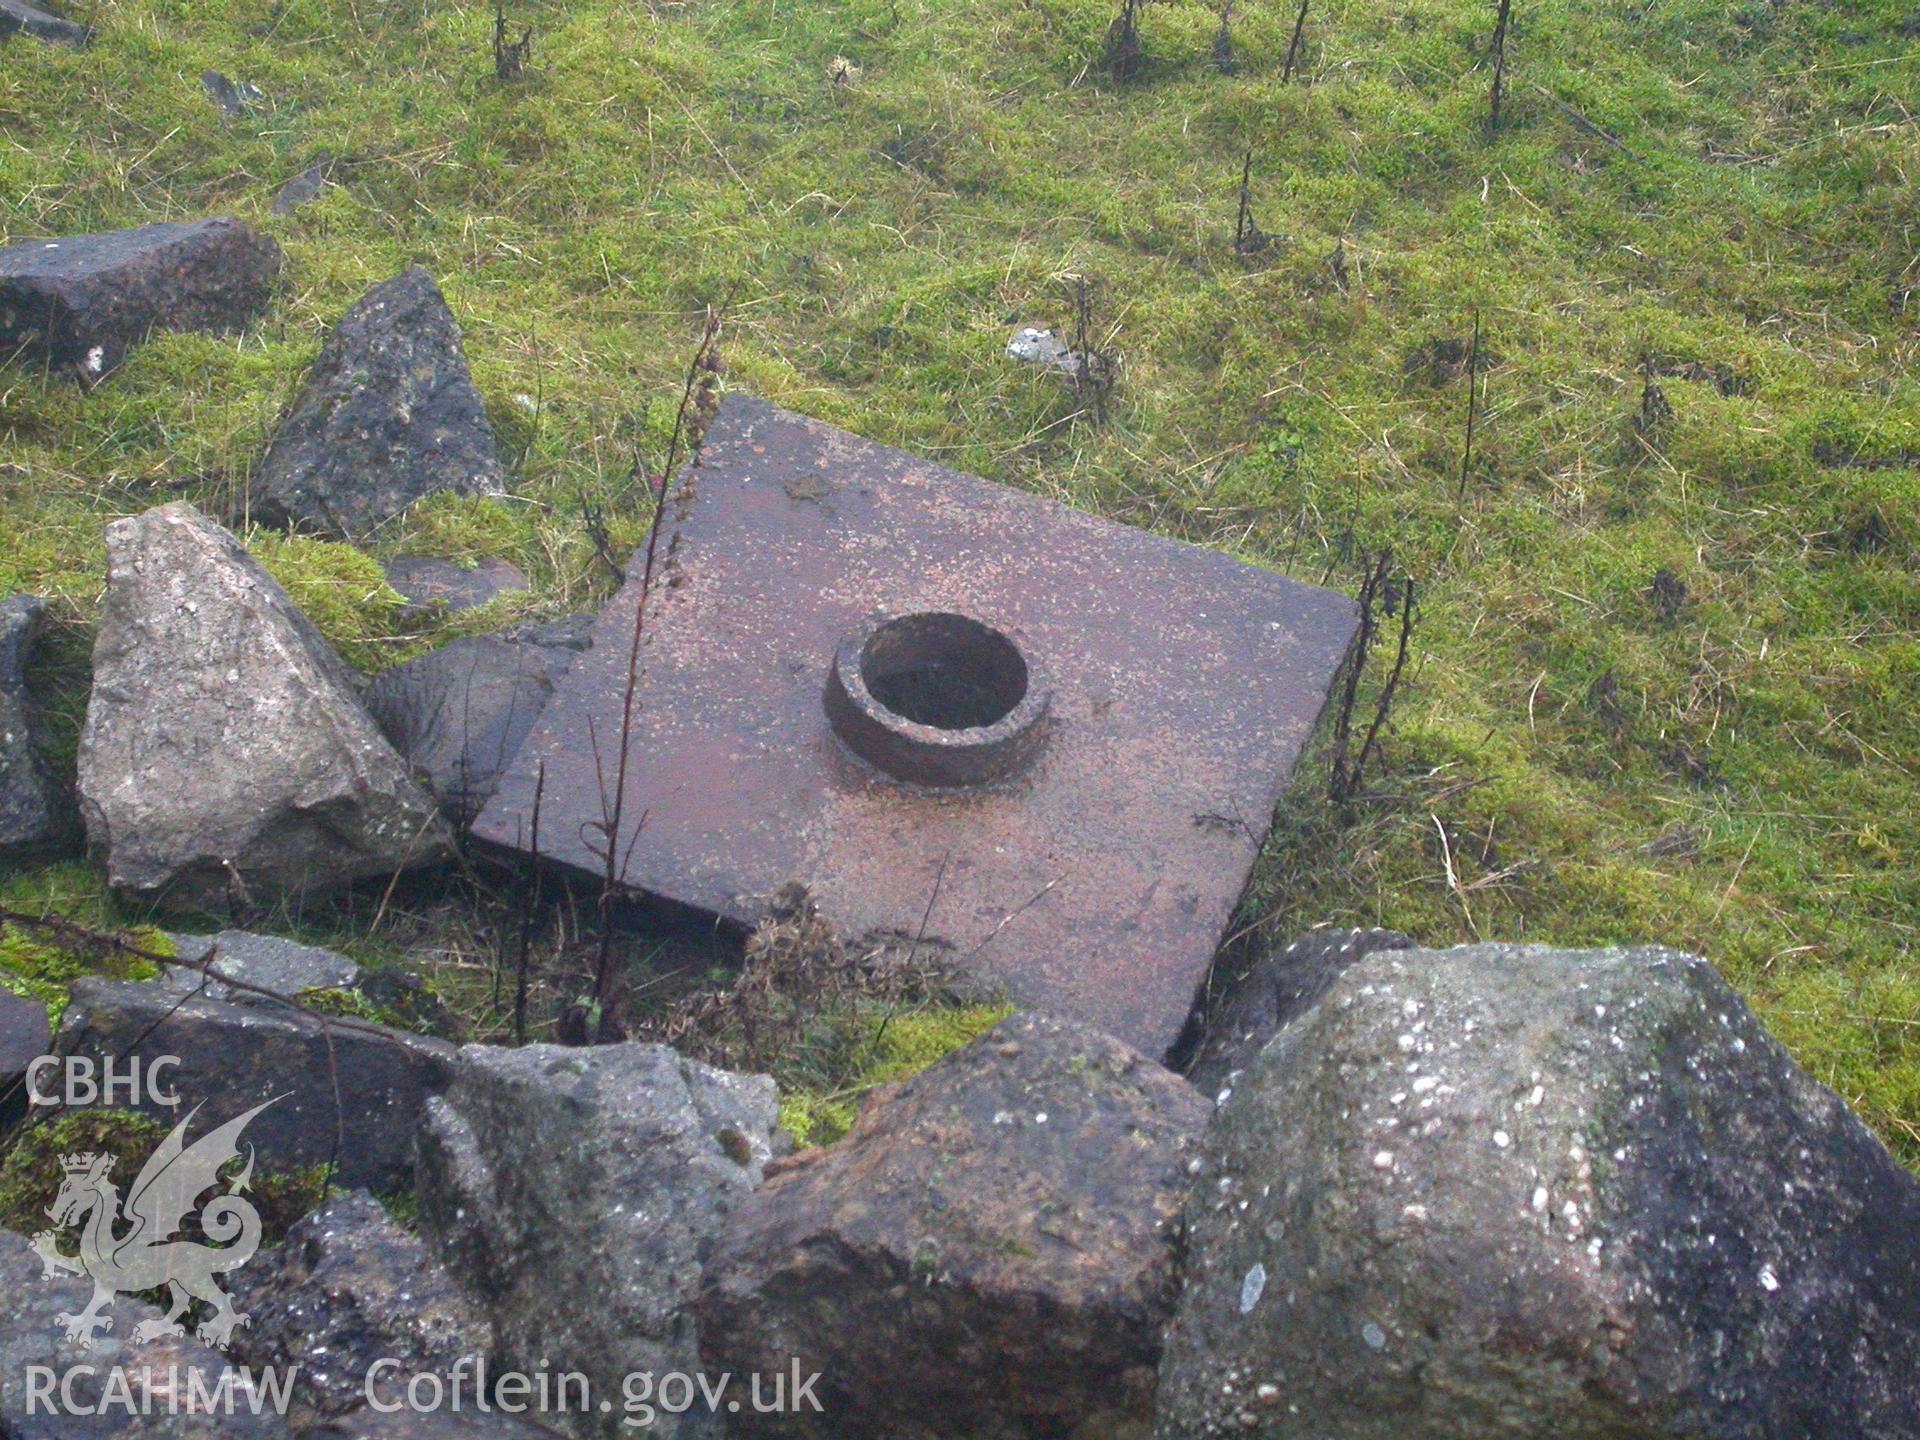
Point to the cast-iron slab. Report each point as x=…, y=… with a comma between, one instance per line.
x=1099, y=881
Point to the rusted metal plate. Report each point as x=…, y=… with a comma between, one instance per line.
x=1098, y=876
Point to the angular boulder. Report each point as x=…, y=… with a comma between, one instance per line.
x=36, y=814
x=991, y=1252
x=19, y=18
x=1285, y=983
x=459, y=714
x=347, y=1291
x=157, y=1374
x=225, y=756
x=348, y=1092
x=208, y=962
x=80, y=302
x=577, y=1192
x=388, y=416
x=1512, y=1191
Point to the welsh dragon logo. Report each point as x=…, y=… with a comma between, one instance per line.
x=147, y=1254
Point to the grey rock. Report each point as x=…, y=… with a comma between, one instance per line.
x=81, y=301
x=346, y=1290
x=36, y=812
x=578, y=1192
x=468, y=1424
x=431, y=583
x=459, y=714
x=1512, y=1191
x=32, y=1338
x=24, y=1038
x=283, y=966
x=225, y=757
x=991, y=1252
x=305, y=186
x=234, y=97
x=387, y=417
x=349, y=1091
x=1044, y=350
x=1284, y=984
x=19, y=18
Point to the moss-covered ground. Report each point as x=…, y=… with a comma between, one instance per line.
x=1725, y=762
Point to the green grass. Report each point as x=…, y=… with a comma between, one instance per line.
x=885, y=235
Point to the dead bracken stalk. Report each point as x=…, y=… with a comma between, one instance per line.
x=1293, y=46
x=1382, y=597
x=1093, y=368
x=1473, y=406
x=510, y=57
x=1124, y=53
x=1499, y=58
x=699, y=398
x=1223, y=58
x=1248, y=238
x=796, y=969
x=529, y=914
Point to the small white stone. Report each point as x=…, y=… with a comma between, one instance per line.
x=1501, y=1139
x=1252, y=1287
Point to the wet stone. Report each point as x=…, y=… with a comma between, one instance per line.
x=19, y=18
x=80, y=302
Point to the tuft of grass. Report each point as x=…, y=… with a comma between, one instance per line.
x=346, y=595
x=36, y=968
x=890, y=1048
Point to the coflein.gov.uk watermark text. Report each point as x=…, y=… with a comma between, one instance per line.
x=470, y=1386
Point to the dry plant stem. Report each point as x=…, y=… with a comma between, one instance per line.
x=528, y=914
x=613, y=814
x=1347, y=772
x=1499, y=64
x=1473, y=382
x=1293, y=47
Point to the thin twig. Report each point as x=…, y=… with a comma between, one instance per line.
x=1293, y=47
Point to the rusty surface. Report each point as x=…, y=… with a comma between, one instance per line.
x=1100, y=879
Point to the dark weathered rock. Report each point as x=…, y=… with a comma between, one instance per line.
x=1284, y=984
x=1504, y=1191
x=388, y=416
x=19, y=18
x=235, y=97
x=24, y=1038
x=267, y=961
x=36, y=812
x=305, y=186
x=992, y=1251
x=430, y=583
x=33, y=1339
x=459, y=714
x=578, y=1191
x=225, y=755
x=348, y=1290
x=409, y=1424
x=233, y=1057
x=81, y=301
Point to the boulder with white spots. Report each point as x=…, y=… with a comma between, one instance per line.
x=78, y=303
x=991, y=1254
x=1284, y=983
x=1504, y=1191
